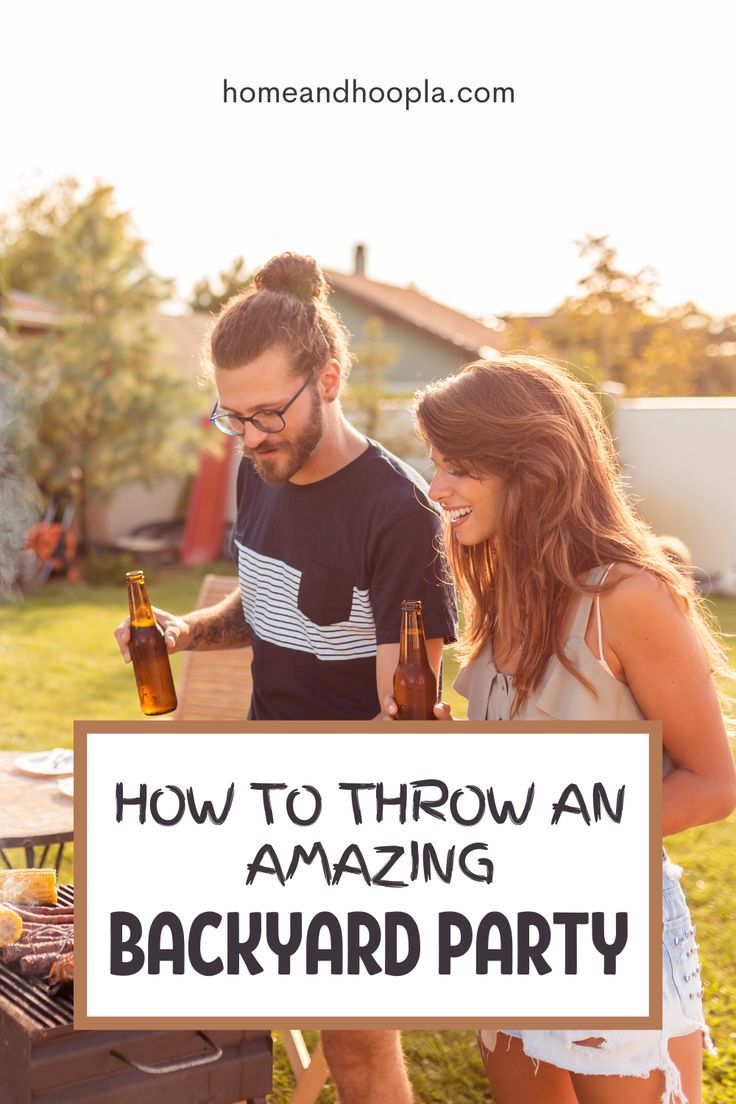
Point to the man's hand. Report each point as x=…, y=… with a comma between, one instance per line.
x=177, y=633
x=214, y=627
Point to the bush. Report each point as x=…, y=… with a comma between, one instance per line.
x=104, y=568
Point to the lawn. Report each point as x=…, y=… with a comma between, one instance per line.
x=59, y=663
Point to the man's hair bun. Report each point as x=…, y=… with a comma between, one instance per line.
x=286, y=304
x=293, y=274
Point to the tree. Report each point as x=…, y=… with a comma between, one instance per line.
x=613, y=309
x=670, y=361
x=17, y=494
x=100, y=410
x=28, y=248
x=614, y=331
x=206, y=297
x=374, y=357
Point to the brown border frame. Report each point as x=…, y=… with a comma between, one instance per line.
x=82, y=1021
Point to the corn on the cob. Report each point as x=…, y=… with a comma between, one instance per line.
x=28, y=887
x=11, y=926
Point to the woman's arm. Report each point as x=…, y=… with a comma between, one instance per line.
x=665, y=668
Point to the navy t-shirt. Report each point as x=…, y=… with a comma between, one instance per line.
x=324, y=568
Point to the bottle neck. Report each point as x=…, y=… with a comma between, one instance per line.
x=141, y=613
x=413, y=647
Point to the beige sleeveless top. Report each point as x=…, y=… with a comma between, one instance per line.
x=560, y=695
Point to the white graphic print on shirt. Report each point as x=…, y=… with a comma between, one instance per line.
x=269, y=590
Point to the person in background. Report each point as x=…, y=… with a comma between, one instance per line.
x=574, y=611
x=332, y=533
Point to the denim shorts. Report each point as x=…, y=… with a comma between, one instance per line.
x=636, y=1053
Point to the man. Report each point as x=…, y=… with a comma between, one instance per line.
x=332, y=533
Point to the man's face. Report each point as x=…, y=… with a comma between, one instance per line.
x=268, y=383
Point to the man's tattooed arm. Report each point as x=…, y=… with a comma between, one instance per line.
x=217, y=627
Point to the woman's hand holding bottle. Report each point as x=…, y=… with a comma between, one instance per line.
x=390, y=710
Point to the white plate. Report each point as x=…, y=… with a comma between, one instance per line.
x=56, y=763
x=66, y=785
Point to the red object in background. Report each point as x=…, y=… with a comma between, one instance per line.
x=55, y=547
x=205, y=522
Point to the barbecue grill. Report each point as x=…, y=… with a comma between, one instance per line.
x=43, y=1060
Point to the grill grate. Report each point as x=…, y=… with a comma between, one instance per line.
x=28, y=1000
x=49, y=1061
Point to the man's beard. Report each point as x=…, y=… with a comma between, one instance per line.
x=290, y=456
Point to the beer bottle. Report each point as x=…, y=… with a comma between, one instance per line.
x=415, y=683
x=148, y=651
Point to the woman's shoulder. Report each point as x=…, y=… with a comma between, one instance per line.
x=635, y=595
x=632, y=579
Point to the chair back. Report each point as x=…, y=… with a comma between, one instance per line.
x=217, y=685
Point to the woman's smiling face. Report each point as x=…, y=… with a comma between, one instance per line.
x=471, y=504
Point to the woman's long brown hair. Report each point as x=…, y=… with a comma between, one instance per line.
x=563, y=510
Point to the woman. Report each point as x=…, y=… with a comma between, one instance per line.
x=574, y=612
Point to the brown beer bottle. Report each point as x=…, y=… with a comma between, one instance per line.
x=148, y=651
x=415, y=683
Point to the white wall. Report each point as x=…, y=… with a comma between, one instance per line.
x=679, y=458
x=131, y=506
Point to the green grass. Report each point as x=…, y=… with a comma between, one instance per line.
x=59, y=662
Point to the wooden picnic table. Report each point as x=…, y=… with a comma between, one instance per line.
x=33, y=812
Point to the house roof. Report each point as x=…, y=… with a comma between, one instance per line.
x=414, y=307
x=182, y=339
x=182, y=336
x=30, y=312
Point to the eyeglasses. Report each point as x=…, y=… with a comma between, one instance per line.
x=268, y=421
